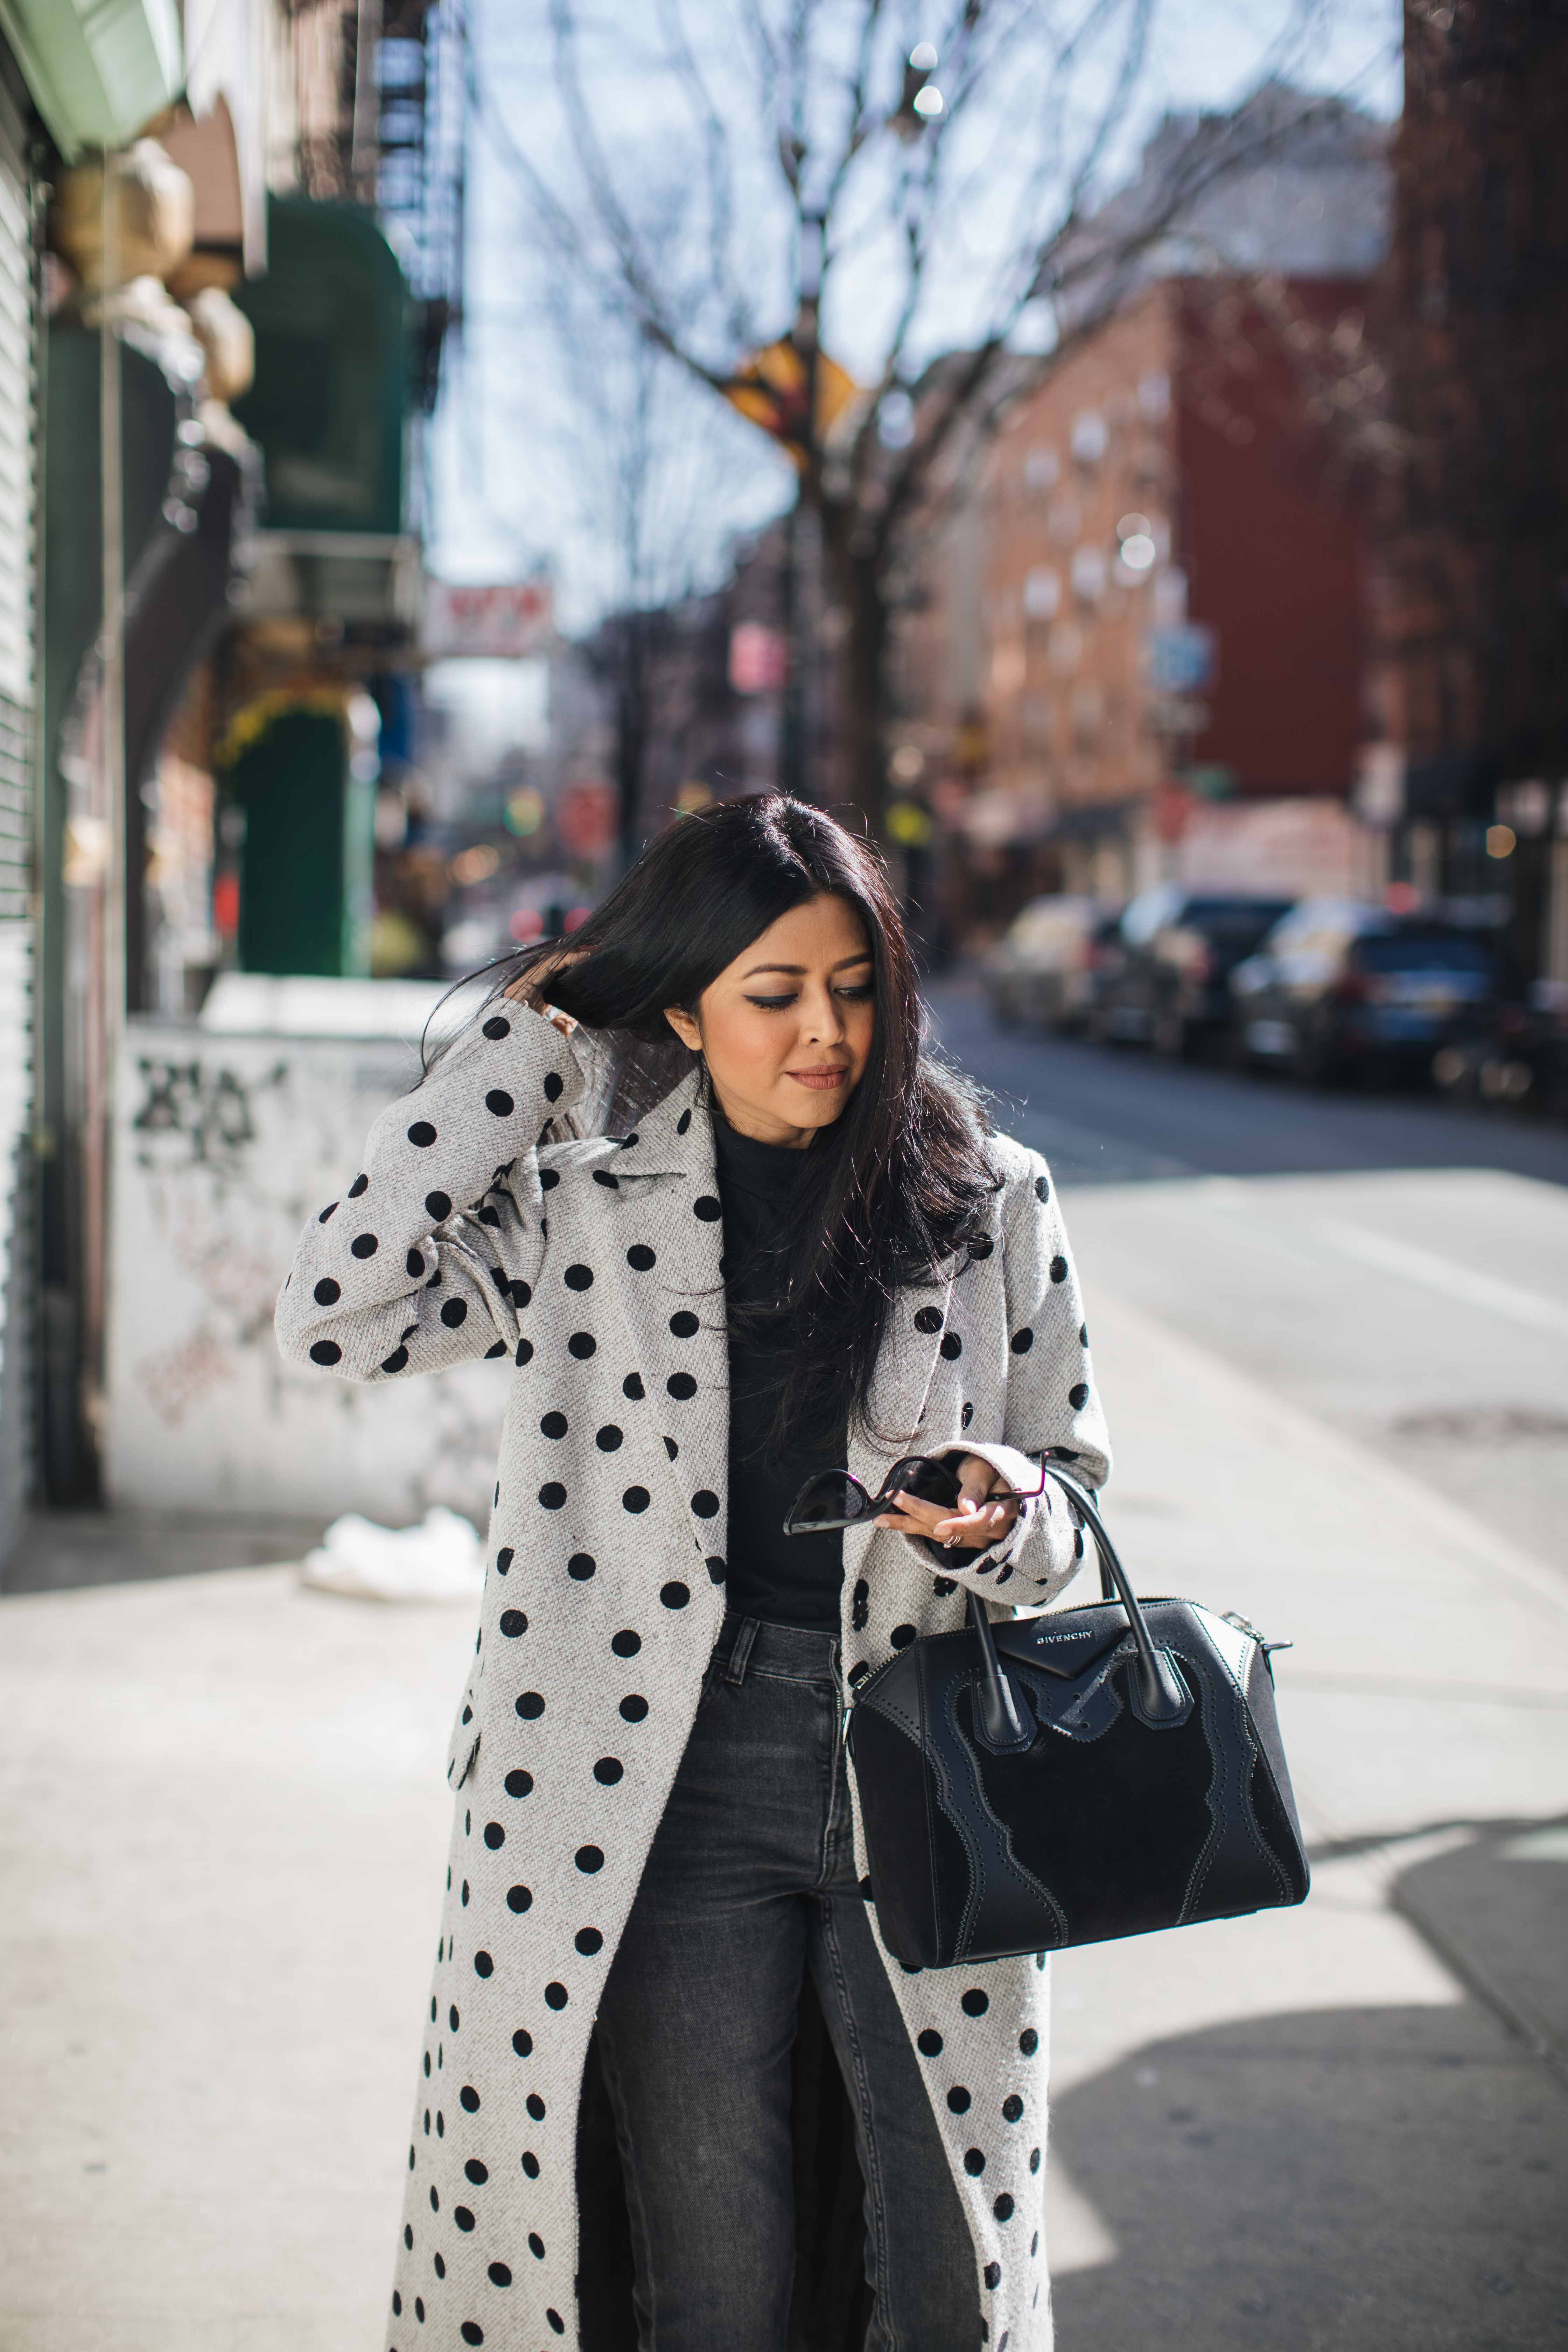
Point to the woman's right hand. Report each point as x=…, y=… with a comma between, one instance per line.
x=532, y=987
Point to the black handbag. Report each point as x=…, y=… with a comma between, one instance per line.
x=1066, y=1778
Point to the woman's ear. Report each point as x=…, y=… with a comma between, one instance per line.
x=684, y=1026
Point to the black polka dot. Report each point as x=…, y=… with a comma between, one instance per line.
x=901, y=1637
x=519, y=1898
x=553, y=1083
x=324, y=1213
x=454, y=1313
x=578, y=1277
x=639, y=1258
x=555, y=1996
x=716, y=1568
x=551, y=1495
x=535, y=2107
x=548, y=1179
x=495, y=1836
x=683, y=1122
x=1058, y=1269
x=633, y=1708
x=993, y=2272
x=325, y=1351
x=499, y=2275
x=1029, y=2041
x=581, y=1345
x=437, y=1205
x=859, y=1605
x=589, y=1859
x=463, y=2217
x=1011, y=2109
x=365, y=1245
x=1078, y=1395
x=530, y=1706
x=1023, y=1341
x=1033, y=2159
x=929, y=2043
x=928, y=1318
x=632, y=1387
x=681, y=1385
x=524, y=1353
x=684, y=1324
x=981, y=1246
x=499, y=1101
x=973, y=2162
x=952, y=1346
x=396, y=1361
x=581, y=1566
x=625, y=1644
x=504, y=1559
x=529, y=2163
x=675, y=1595
x=670, y=1447
x=497, y=1027
x=422, y=1133
x=327, y=1293
x=958, y=2099
x=523, y=2041
x=513, y=1623
x=483, y=1964
x=603, y=1176
x=519, y=1293
x=636, y=1498
x=608, y=1770
x=1042, y=1189
x=468, y=2098
x=705, y=1503
x=555, y=1425
x=471, y=2332
x=942, y=1585
x=557, y=2324
x=519, y=1783
x=414, y=1263
x=706, y=1207
x=588, y=1941
x=609, y=1439
x=974, y=2003
x=536, y=2245
x=966, y=1416
x=1083, y=1335
x=359, y=1186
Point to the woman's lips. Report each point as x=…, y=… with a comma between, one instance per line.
x=824, y=1078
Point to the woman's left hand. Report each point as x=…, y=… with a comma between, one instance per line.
x=974, y=1522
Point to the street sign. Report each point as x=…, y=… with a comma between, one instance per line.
x=503, y=621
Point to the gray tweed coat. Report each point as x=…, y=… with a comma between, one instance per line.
x=590, y=1261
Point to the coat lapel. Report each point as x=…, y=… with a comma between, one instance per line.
x=666, y=1188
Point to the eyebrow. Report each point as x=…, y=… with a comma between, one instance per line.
x=799, y=970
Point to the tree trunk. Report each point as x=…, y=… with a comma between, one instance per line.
x=861, y=681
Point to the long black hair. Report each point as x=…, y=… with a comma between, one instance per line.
x=894, y=1189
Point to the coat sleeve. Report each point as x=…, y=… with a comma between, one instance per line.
x=433, y=1251
x=1053, y=1409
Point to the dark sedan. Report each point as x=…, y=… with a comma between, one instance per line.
x=1339, y=987
x=1164, y=978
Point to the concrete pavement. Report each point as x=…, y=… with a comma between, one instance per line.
x=1339, y=2127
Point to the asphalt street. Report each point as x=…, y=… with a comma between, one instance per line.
x=1395, y=1264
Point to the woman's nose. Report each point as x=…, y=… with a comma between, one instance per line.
x=822, y=1017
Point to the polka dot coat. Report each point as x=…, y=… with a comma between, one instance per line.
x=484, y=1224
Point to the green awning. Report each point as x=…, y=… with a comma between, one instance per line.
x=98, y=69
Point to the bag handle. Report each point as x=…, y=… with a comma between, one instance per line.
x=1003, y=1722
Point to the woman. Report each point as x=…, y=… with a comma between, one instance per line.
x=732, y=1226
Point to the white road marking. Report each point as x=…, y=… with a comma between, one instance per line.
x=1442, y=1274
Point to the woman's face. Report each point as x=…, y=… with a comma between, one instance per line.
x=786, y=1029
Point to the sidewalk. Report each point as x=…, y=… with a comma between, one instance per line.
x=1341, y=2126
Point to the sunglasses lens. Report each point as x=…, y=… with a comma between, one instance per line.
x=834, y=1499
x=930, y=1481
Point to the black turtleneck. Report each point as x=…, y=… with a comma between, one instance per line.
x=788, y=1580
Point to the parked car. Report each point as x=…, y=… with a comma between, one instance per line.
x=1164, y=981
x=1041, y=970
x=1338, y=986
x=1521, y=1058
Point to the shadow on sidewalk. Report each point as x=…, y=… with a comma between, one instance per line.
x=58, y=1550
x=1369, y=2179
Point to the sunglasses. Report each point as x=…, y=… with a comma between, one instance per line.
x=832, y=1499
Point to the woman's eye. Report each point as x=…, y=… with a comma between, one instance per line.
x=858, y=996
x=770, y=1003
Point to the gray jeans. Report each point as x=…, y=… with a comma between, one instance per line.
x=749, y=1883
